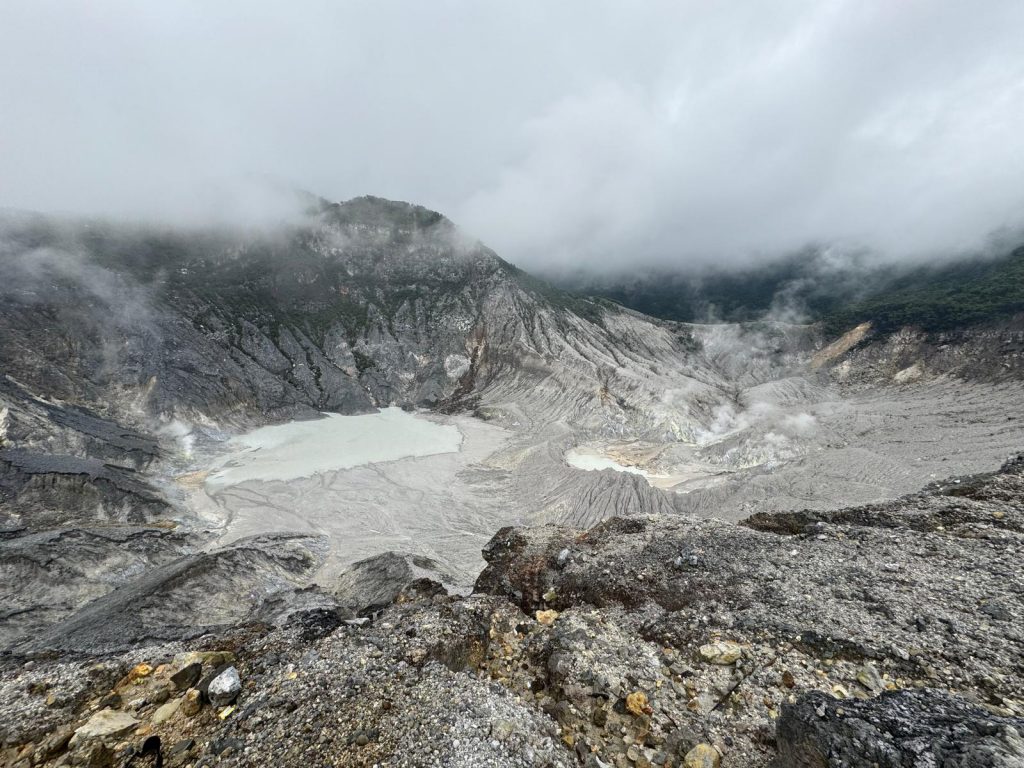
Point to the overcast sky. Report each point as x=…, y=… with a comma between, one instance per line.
x=560, y=133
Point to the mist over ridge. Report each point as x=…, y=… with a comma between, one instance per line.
x=602, y=136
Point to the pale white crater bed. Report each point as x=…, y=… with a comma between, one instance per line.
x=391, y=480
x=305, y=448
x=822, y=447
x=592, y=459
x=440, y=486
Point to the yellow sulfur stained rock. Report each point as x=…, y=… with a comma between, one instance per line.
x=721, y=652
x=547, y=618
x=139, y=671
x=206, y=658
x=702, y=756
x=637, y=703
x=191, y=703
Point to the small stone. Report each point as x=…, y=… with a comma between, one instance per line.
x=362, y=740
x=637, y=703
x=105, y=724
x=166, y=711
x=224, y=688
x=788, y=680
x=54, y=744
x=191, y=702
x=96, y=754
x=702, y=756
x=501, y=730
x=550, y=595
x=187, y=676
x=159, y=695
x=547, y=618
x=563, y=558
x=703, y=703
x=721, y=652
x=184, y=745
x=139, y=671
x=868, y=677
x=998, y=514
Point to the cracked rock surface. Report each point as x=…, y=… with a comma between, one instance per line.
x=886, y=635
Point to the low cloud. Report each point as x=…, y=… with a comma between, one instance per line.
x=606, y=135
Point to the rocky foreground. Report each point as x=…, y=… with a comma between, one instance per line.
x=888, y=635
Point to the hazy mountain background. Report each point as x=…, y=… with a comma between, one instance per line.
x=839, y=291
x=597, y=135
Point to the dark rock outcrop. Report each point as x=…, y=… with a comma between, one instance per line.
x=46, y=490
x=376, y=582
x=186, y=598
x=901, y=729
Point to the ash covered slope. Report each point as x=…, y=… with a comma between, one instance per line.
x=359, y=304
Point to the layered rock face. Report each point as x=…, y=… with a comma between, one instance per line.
x=360, y=304
x=926, y=727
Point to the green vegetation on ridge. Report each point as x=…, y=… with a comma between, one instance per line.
x=941, y=298
x=803, y=288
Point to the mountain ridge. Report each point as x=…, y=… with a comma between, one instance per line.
x=612, y=452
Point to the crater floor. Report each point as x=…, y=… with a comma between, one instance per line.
x=439, y=486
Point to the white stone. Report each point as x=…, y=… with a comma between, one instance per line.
x=225, y=687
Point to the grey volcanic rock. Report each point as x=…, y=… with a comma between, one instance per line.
x=47, y=576
x=42, y=425
x=985, y=499
x=628, y=643
x=309, y=605
x=376, y=582
x=224, y=688
x=993, y=352
x=186, y=598
x=896, y=730
x=926, y=608
x=44, y=490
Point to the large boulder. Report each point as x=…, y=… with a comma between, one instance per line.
x=373, y=583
